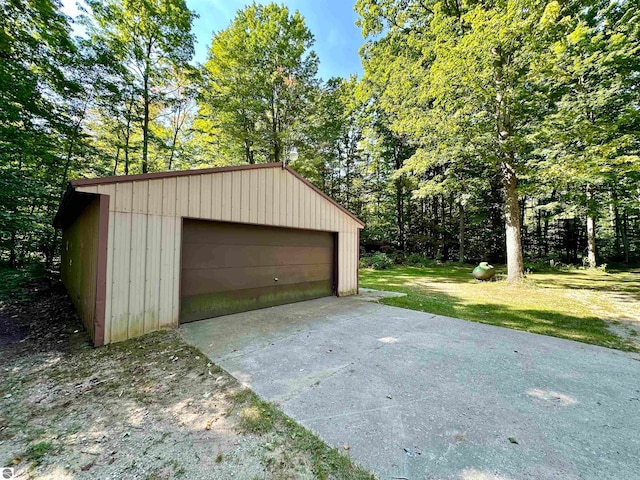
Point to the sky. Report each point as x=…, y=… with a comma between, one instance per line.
x=332, y=22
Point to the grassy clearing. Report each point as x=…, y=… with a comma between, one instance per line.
x=576, y=305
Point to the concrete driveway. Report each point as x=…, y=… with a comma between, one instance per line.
x=419, y=396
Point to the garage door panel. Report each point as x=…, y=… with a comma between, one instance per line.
x=303, y=273
x=229, y=268
x=201, y=255
x=203, y=280
x=243, y=234
x=198, y=307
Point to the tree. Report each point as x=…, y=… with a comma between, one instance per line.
x=172, y=128
x=259, y=82
x=460, y=90
x=152, y=39
x=588, y=140
x=37, y=104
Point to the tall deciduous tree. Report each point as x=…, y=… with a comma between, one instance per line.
x=460, y=89
x=151, y=38
x=589, y=138
x=260, y=78
x=37, y=124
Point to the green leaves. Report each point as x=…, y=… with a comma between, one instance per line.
x=150, y=40
x=260, y=80
x=546, y=89
x=37, y=96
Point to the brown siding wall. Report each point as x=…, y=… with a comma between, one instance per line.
x=145, y=231
x=79, y=268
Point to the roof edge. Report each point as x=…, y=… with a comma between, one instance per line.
x=71, y=205
x=83, y=182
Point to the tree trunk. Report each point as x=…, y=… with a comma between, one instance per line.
x=515, y=263
x=72, y=142
x=147, y=101
x=545, y=237
x=13, y=251
x=274, y=128
x=625, y=237
x=591, y=229
x=173, y=148
x=400, y=214
x=504, y=130
x=444, y=246
x=127, y=138
x=115, y=164
x=248, y=152
x=145, y=128
x=461, y=226
x=615, y=214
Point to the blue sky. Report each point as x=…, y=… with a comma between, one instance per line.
x=332, y=22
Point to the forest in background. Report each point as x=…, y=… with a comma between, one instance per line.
x=499, y=130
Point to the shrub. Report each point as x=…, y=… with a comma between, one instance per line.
x=417, y=260
x=398, y=258
x=381, y=261
x=377, y=261
x=365, y=261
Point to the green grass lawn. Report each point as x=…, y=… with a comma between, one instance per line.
x=576, y=305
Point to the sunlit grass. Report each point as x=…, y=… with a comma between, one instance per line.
x=575, y=305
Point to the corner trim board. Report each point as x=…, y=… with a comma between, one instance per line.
x=101, y=271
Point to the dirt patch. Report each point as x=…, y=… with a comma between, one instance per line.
x=149, y=408
x=627, y=324
x=627, y=328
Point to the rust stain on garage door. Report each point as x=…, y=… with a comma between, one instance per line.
x=229, y=267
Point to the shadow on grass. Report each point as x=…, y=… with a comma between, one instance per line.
x=422, y=297
x=443, y=274
x=625, y=282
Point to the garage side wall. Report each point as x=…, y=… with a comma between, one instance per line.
x=145, y=232
x=79, y=268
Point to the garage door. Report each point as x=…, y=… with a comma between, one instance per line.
x=231, y=267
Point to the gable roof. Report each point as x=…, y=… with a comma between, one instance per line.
x=83, y=182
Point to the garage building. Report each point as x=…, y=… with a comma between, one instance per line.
x=146, y=252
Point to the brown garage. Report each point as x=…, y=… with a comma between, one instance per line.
x=158, y=249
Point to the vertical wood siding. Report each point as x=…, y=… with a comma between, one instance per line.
x=145, y=235
x=80, y=263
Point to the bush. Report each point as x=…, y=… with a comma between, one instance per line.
x=377, y=261
x=417, y=260
x=381, y=261
x=398, y=258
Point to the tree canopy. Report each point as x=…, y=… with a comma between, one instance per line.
x=497, y=130
x=260, y=80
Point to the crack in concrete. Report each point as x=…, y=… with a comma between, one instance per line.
x=395, y=405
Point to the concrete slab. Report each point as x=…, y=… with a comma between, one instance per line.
x=420, y=396
x=372, y=295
